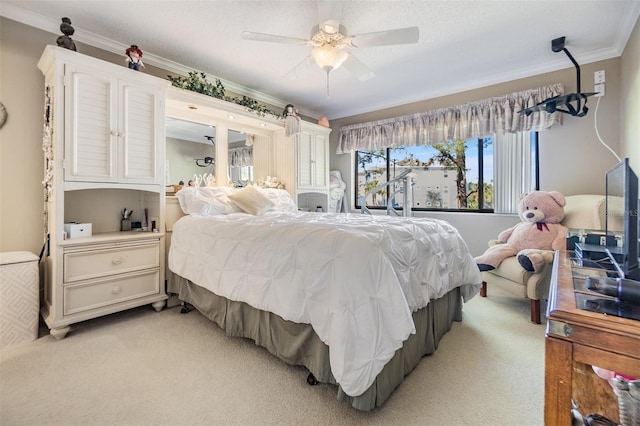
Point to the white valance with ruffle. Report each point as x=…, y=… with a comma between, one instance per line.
x=474, y=119
x=240, y=157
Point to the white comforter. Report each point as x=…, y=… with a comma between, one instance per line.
x=355, y=278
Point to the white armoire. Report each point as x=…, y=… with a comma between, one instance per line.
x=302, y=164
x=104, y=144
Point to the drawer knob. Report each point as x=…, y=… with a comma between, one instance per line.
x=116, y=289
x=116, y=260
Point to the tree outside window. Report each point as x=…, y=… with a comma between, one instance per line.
x=454, y=175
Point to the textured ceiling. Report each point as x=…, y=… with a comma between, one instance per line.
x=463, y=44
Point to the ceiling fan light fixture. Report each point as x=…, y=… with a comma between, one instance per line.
x=329, y=57
x=330, y=43
x=331, y=26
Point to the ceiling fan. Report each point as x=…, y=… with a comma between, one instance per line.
x=572, y=103
x=331, y=41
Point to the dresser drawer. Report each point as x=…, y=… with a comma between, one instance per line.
x=83, y=265
x=107, y=291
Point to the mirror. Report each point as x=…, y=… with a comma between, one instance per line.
x=190, y=150
x=240, y=157
x=233, y=125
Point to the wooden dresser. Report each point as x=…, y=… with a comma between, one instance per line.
x=577, y=339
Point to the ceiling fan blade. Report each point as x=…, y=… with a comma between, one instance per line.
x=300, y=69
x=358, y=68
x=248, y=35
x=386, y=38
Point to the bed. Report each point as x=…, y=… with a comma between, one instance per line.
x=356, y=299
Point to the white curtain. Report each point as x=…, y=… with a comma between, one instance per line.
x=483, y=118
x=512, y=170
x=241, y=156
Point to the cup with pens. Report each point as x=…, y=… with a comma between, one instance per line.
x=125, y=223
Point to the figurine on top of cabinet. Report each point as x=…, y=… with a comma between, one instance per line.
x=65, y=40
x=291, y=120
x=134, y=57
x=323, y=121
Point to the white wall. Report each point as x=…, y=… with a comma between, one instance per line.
x=630, y=99
x=21, y=156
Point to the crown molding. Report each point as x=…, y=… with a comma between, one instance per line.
x=45, y=23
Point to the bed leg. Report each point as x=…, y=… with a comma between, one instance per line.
x=535, y=311
x=483, y=289
x=311, y=379
x=185, y=308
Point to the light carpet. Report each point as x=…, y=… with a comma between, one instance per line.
x=141, y=367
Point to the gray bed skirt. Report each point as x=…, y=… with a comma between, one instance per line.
x=298, y=344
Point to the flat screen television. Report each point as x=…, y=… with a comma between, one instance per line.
x=622, y=217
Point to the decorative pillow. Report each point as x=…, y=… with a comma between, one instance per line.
x=280, y=198
x=206, y=200
x=251, y=200
x=220, y=205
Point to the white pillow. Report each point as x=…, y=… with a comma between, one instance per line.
x=251, y=200
x=281, y=199
x=206, y=200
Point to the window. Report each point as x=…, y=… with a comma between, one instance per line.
x=451, y=176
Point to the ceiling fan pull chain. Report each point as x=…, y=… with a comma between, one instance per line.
x=328, y=71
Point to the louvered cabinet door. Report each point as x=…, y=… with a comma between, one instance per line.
x=91, y=126
x=320, y=161
x=140, y=159
x=313, y=161
x=305, y=160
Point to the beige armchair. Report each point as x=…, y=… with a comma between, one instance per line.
x=580, y=212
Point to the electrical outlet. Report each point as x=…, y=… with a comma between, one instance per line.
x=598, y=77
x=599, y=89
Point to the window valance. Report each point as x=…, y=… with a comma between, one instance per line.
x=239, y=157
x=474, y=119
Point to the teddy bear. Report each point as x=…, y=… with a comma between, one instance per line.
x=534, y=239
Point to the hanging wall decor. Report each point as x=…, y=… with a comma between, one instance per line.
x=47, y=147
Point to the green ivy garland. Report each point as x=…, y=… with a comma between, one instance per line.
x=197, y=82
